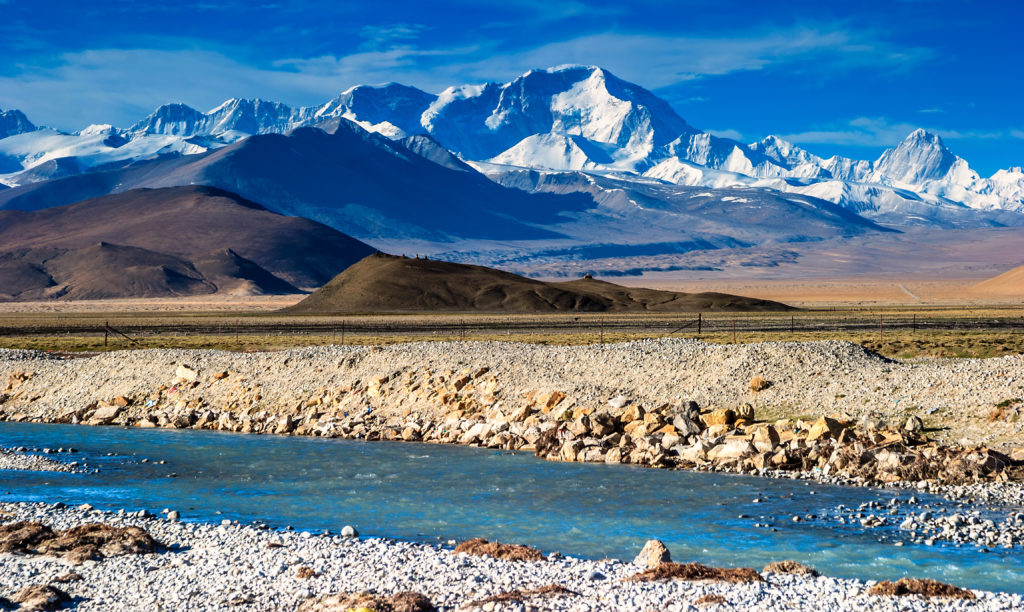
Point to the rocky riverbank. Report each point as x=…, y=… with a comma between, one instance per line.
x=249, y=567
x=660, y=403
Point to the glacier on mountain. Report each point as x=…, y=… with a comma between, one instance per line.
x=568, y=118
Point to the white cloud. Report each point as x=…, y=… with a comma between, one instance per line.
x=119, y=86
x=659, y=61
x=727, y=133
x=879, y=132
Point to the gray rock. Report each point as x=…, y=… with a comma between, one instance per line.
x=653, y=554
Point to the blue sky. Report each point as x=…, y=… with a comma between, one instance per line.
x=844, y=78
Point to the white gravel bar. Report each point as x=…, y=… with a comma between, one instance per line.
x=239, y=567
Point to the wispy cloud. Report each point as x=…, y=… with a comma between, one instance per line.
x=120, y=86
x=127, y=83
x=880, y=132
x=383, y=35
x=727, y=133
x=662, y=60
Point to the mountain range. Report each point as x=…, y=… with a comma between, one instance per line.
x=565, y=118
x=568, y=164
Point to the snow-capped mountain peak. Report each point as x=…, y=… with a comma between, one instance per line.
x=14, y=122
x=174, y=119
x=799, y=162
x=392, y=109
x=922, y=156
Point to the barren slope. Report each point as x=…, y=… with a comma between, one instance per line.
x=385, y=283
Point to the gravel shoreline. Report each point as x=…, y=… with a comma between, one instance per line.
x=19, y=459
x=245, y=567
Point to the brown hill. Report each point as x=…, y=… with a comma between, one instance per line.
x=189, y=240
x=385, y=283
x=1007, y=284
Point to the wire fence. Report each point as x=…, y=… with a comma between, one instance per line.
x=338, y=329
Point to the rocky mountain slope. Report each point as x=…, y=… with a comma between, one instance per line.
x=359, y=182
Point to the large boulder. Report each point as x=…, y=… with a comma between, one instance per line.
x=732, y=448
x=825, y=427
x=653, y=554
x=104, y=415
x=719, y=417
x=685, y=426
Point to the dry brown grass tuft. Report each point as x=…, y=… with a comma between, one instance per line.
x=696, y=571
x=518, y=596
x=758, y=383
x=925, y=587
x=510, y=552
x=790, y=567
x=401, y=602
x=711, y=599
x=305, y=573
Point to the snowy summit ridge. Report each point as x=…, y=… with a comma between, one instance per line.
x=565, y=118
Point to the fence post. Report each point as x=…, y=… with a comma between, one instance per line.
x=602, y=330
x=700, y=321
x=106, y=332
x=734, y=331
x=879, y=329
x=792, y=324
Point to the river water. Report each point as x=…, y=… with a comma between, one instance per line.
x=429, y=492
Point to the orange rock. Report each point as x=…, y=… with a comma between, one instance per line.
x=718, y=417
x=825, y=427
x=667, y=430
x=554, y=399
x=634, y=413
